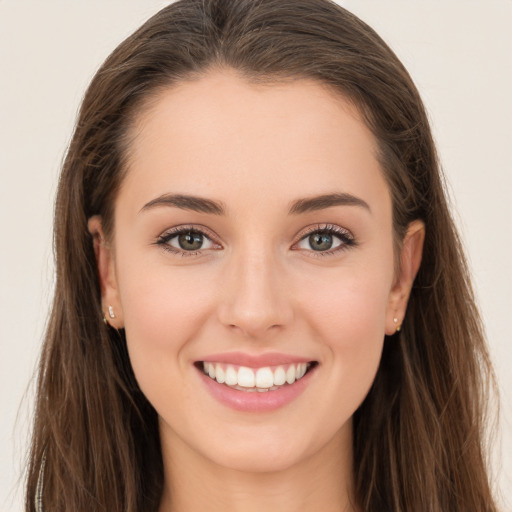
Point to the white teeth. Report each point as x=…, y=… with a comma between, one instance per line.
x=290, y=374
x=246, y=377
x=264, y=378
x=279, y=376
x=249, y=379
x=220, y=376
x=231, y=376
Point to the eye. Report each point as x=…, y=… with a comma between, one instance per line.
x=186, y=241
x=320, y=241
x=326, y=239
x=190, y=241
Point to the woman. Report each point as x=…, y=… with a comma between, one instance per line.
x=261, y=298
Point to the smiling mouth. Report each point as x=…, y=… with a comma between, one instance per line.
x=244, y=378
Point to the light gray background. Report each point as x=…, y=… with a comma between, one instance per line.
x=459, y=53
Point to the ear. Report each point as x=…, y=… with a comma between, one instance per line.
x=110, y=303
x=410, y=260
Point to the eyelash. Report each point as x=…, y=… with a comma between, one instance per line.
x=344, y=235
x=346, y=238
x=164, y=239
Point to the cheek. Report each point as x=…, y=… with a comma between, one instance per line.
x=348, y=304
x=163, y=311
x=349, y=321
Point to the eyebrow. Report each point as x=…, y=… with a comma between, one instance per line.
x=203, y=205
x=321, y=202
x=185, y=202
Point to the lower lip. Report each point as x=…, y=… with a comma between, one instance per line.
x=255, y=401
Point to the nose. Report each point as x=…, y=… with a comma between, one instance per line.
x=255, y=299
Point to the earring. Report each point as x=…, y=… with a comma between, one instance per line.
x=111, y=314
x=398, y=326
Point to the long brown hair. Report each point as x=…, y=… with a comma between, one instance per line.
x=418, y=436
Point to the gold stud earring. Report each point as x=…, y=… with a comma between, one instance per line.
x=398, y=326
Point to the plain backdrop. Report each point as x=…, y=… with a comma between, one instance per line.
x=459, y=52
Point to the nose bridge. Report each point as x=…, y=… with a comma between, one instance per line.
x=255, y=298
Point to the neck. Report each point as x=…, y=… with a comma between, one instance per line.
x=322, y=481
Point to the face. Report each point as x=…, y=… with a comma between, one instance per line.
x=253, y=241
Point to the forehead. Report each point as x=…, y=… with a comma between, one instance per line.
x=222, y=136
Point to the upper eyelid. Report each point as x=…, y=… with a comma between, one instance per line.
x=332, y=228
x=176, y=230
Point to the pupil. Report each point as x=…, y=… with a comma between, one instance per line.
x=190, y=241
x=320, y=241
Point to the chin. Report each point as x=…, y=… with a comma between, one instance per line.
x=257, y=459
x=266, y=450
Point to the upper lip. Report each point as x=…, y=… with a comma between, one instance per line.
x=254, y=361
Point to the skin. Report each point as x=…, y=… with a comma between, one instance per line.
x=257, y=287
